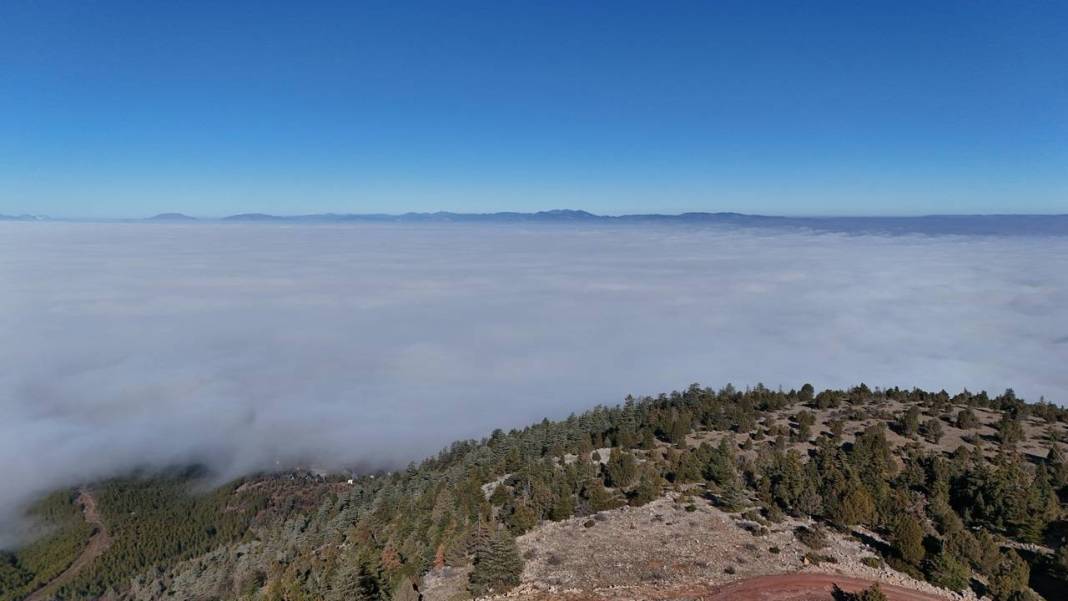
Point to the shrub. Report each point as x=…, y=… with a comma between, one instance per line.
x=813, y=538
x=870, y=594
x=967, y=420
x=816, y=559
x=872, y=562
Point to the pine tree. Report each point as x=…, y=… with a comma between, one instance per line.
x=1010, y=431
x=909, y=423
x=855, y=505
x=932, y=430
x=646, y=491
x=620, y=469
x=967, y=420
x=1010, y=578
x=522, y=518
x=497, y=566
x=907, y=539
x=598, y=497
x=1057, y=466
x=354, y=582
x=721, y=467
x=947, y=572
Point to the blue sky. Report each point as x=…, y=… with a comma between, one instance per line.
x=117, y=109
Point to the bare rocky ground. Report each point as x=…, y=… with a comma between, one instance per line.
x=663, y=551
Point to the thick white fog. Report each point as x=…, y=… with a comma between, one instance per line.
x=242, y=345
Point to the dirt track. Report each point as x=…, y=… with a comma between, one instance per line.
x=806, y=587
x=782, y=587
x=98, y=543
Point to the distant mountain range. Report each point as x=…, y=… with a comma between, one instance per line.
x=932, y=224
x=1047, y=225
x=22, y=218
x=172, y=217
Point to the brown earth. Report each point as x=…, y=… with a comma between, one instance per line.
x=805, y=587
x=98, y=543
x=682, y=547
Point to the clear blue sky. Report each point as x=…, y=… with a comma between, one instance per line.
x=132, y=108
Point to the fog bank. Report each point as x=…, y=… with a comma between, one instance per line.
x=241, y=345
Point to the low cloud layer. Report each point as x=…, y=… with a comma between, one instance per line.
x=243, y=345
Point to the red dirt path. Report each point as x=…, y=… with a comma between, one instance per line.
x=781, y=587
x=98, y=543
x=806, y=587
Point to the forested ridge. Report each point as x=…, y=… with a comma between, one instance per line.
x=964, y=490
x=63, y=534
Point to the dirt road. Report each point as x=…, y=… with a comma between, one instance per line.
x=781, y=587
x=98, y=543
x=806, y=587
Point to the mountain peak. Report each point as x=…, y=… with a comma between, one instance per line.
x=171, y=217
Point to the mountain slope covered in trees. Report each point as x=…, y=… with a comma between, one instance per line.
x=967, y=491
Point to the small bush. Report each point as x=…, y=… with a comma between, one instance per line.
x=872, y=562
x=589, y=524
x=774, y=550
x=813, y=538
x=773, y=514
x=816, y=559
x=870, y=594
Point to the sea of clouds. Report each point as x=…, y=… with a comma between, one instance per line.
x=249, y=346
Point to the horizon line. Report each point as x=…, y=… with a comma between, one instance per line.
x=560, y=213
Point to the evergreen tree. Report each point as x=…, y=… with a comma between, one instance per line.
x=621, y=469
x=598, y=497
x=1010, y=431
x=1057, y=466
x=967, y=420
x=354, y=582
x=721, y=467
x=1009, y=580
x=907, y=539
x=909, y=424
x=497, y=565
x=932, y=430
x=837, y=428
x=522, y=518
x=854, y=506
x=947, y=572
x=646, y=491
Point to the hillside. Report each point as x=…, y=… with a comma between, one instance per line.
x=671, y=497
